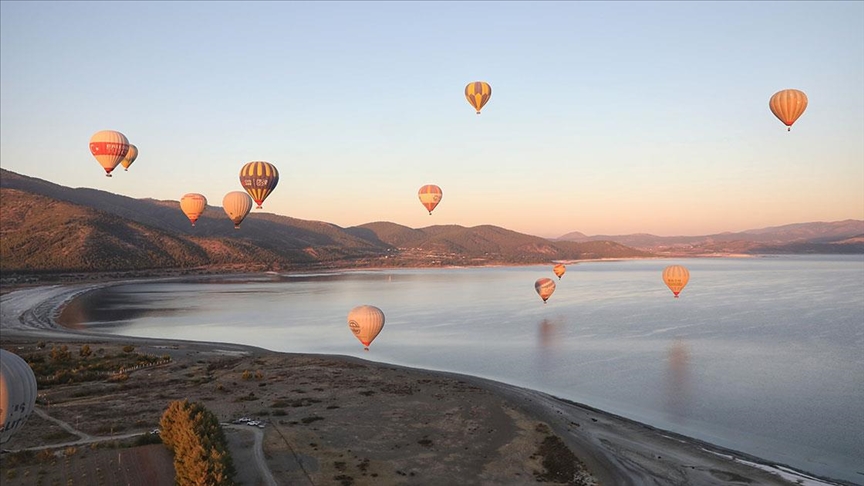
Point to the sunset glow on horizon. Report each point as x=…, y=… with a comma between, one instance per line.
x=605, y=117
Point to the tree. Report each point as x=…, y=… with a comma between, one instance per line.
x=200, y=449
x=85, y=351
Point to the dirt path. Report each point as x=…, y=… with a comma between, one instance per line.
x=266, y=475
x=65, y=426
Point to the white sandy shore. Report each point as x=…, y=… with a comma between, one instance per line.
x=616, y=450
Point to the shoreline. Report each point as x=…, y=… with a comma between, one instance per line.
x=615, y=449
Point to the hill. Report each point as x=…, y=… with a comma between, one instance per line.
x=816, y=237
x=46, y=227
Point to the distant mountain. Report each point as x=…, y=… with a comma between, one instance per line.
x=45, y=227
x=817, y=237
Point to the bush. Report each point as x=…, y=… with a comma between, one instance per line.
x=128, y=348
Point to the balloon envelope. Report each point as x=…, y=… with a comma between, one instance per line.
x=788, y=105
x=192, y=205
x=366, y=321
x=259, y=179
x=109, y=147
x=17, y=394
x=559, y=270
x=430, y=195
x=478, y=94
x=131, y=155
x=544, y=287
x=237, y=205
x=676, y=277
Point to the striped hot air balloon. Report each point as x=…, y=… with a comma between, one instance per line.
x=17, y=394
x=109, y=147
x=237, y=205
x=478, y=93
x=430, y=195
x=788, y=105
x=676, y=277
x=544, y=288
x=192, y=205
x=131, y=155
x=366, y=322
x=259, y=179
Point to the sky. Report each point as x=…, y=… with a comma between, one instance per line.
x=606, y=118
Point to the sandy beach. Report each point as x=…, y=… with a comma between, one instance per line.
x=343, y=420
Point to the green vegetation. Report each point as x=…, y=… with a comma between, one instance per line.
x=55, y=365
x=194, y=436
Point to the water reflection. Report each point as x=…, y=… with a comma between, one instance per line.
x=677, y=396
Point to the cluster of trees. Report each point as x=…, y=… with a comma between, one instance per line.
x=196, y=439
x=61, y=364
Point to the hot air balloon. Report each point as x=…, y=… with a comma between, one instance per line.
x=559, y=270
x=366, y=321
x=109, y=148
x=259, y=179
x=430, y=196
x=131, y=155
x=544, y=287
x=478, y=93
x=17, y=393
x=676, y=277
x=787, y=105
x=237, y=205
x=193, y=205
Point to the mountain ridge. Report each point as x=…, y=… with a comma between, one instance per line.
x=844, y=236
x=47, y=227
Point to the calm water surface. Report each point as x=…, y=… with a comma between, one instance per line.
x=762, y=355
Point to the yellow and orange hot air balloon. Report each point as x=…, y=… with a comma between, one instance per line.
x=676, y=277
x=366, y=322
x=788, y=105
x=559, y=270
x=544, y=287
x=259, y=179
x=109, y=147
x=237, y=206
x=478, y=94
x=430, y=195
x=192, y=205
x=17, y=394
x=131, y=155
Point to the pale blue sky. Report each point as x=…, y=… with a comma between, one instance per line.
x=605, y=117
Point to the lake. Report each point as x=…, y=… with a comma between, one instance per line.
x=764, y=355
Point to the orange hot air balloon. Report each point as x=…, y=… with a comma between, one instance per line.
x=192, y=205
x=366, y=322
x=259, y=179
x=544, y=287
x=559, y=270
x=478, y=94
x=787, y=105
x=109, y=147
x=237, y=206
x=430, y=196
x=676, y=277
x=131, y=155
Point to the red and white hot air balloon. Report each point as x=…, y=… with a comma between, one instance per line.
x=430, y=195
x=110, y=148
